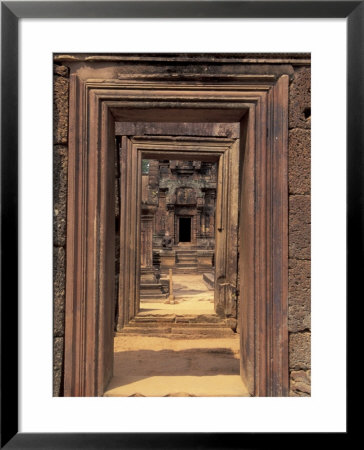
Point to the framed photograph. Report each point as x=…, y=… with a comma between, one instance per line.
x=160, y=165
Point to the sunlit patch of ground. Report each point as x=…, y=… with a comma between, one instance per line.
x=158, y=367
x=191, y=295
x=150, y=366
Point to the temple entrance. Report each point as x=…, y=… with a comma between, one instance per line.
x=251, y=232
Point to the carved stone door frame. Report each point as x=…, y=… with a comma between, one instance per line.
x=95, y=103
x=221, y=150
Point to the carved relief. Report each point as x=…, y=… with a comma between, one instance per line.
x=185, y=196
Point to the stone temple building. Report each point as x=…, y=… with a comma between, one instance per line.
x=177, y=220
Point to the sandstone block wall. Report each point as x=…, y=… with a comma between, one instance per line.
x=299, y=291
x=60, y=170
x=299, y=320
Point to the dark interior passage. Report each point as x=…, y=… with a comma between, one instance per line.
x=185, y=229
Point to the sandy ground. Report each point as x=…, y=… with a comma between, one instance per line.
x=162, y=367
x=148, y=366
x=191, y=295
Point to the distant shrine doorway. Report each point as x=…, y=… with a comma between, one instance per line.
x=184, y=231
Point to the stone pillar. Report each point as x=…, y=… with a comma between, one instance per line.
x=146, y=240
x=194, y=229
x=210, y=196
x=170, y=222
x=146, y=247
x=161, y=215
x=203, y=225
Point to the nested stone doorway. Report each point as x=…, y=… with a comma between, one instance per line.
x=214, y=157
x=220, y=150
x=177, y=222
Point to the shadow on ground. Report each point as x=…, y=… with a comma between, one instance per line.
x=131, y=366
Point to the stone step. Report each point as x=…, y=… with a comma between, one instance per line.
x=145, y=330
x=153, y=297
x=152, y=286
x=185, y=265
x=210, y=332
x=185, y=318
x=179, y=333
x=209, y=279
x=168, y=318
x=151, y=291
x=132, y=323
x=187, y=270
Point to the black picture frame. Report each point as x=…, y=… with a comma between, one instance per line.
x=11, y=12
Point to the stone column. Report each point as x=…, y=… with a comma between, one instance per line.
x=146, y=257
x=170, y=222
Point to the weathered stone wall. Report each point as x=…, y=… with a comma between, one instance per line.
x=299, y=293
x=60, y=166
x=299, y=225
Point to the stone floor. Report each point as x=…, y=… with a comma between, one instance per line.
x=180, y=349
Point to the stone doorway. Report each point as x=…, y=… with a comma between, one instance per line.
x=102, y=97
x=223, y=154
x=180, y=315
x=184, y=231
x=177, y=218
